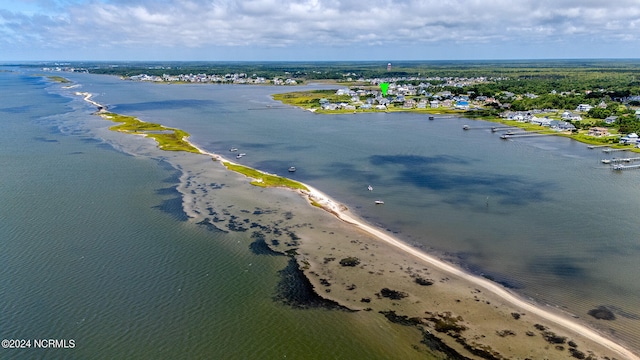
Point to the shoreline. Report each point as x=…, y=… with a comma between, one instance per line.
x=314, y=196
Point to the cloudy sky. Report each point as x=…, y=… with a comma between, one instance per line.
x=317, y=29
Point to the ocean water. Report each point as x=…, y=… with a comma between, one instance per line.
x=540, y=215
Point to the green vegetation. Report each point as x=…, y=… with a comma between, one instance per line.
x=168, y=138
x=310, y=99
x=350, y=261
x=59, y=79
x=263, y=179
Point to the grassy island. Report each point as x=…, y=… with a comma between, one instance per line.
x=263, y=179
x=59, y=79
x=169, y=139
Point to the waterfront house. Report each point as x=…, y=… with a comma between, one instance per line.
x=568, y=115
x=629, y=139
x=598, y=131
x=561, y=125
x=545, y=121
x=409, y=104
x=434, y=103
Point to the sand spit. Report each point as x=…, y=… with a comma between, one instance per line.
x=364, y=268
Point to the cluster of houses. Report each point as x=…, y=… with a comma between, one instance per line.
x=399, y=95
x=560, y=125
x=530, y=117
x=220, y=79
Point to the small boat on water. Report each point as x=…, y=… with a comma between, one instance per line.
x=240, y=155
x=370, y=188
x=233, y=149
x=292, y=169
x=431, y=118
x=606, y=161
x=465, y=127
x=379, y=202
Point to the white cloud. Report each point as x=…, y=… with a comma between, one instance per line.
x=321, y=23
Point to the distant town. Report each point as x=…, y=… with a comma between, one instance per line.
x=598, y=104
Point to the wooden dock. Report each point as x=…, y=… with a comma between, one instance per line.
x=613, y=150
x=620, y=167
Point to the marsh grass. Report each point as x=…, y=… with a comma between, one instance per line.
x=263, y=179
x=169, y=139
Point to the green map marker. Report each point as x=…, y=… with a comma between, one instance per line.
x=384, y=86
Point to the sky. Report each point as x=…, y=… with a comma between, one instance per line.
x=317, y=30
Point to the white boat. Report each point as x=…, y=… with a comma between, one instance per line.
x=233, y=149
x=240, y=155
x=465, y=127
x=292, y=169
x=379, y=202
x=370, y=188
x=606, y=161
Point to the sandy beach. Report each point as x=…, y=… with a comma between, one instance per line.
x=410, y=287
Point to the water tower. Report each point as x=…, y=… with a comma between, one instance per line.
x=389, y=67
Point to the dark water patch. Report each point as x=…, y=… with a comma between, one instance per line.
x=260, y=247
x=43, y=139
x=428, y=172
x=166, y=191
x=235, y=225
x=17, y=109
x=623, y=313
x=434, y=343
x=295, y=290
x=216, y=186
x=563, y=266
x=77, y=153
x=104, y=146
x=503, y=280
x=463, y=259
x=172, y=205
x=211, y=226
x=512, y=190
x=602, y=313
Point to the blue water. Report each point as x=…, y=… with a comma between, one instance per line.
x=541, y=215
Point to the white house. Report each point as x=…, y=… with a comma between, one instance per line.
x=629, y=139
x=584, y=107
x=567, y=115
